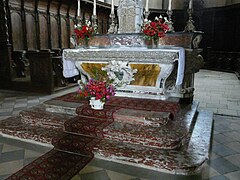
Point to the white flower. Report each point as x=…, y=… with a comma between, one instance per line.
x=156, y=18
x=145, y=20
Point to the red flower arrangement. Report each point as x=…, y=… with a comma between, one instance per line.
x=155, y=29
x=98, y=89
x=83, y=31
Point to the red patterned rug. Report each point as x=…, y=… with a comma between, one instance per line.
x=130, y=103
x=54, y=165
x=73, y=148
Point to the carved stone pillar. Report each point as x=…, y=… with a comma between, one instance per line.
x=130, y=16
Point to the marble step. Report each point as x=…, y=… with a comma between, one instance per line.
x=186, y=160
x=38, y=116
x=170, y=136
x=142, y=117
x=14, y=127
x=68, y=104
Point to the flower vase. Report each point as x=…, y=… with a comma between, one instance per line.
x=155, y=43
x=96, y=104
x=86, y=43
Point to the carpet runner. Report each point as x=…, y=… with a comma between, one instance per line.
x=150, y=133
x=54, y=165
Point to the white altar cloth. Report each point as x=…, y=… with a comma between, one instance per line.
x=69, y=68
x=70, y=56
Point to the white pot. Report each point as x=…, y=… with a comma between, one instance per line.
x=96, y=104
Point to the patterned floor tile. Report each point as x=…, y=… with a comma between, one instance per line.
x=234, y=134
x=222, y=150
x=31, y=154
x=1, y=147
x=209, y=172
x=220, y=138
x=90, y=169
x=98, y=175
x=234, y=146
x=118, y=176
x=234, y=159
x=222, y=165
x=220, y=177
x=213, y=155
x=12, y=156
x=233, y=175
x=10, y=167
x=9, y=148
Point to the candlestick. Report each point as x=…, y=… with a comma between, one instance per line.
x=170, y=5
x=169, y=21
x=112, y=7
x=190, y=4
x=190, y=26
x=79, y=8
x=94, y=8
x=146, y=8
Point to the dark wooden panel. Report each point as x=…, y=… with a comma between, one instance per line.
x=31, y=31
x=43, y=31
x=41, y=70
x=64, y=33
x=17, y=33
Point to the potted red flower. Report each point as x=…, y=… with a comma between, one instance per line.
x=153, y=30
x=83, y=32
x=97, y=91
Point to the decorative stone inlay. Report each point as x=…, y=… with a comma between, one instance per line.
x=123, y=54
x=127, y=40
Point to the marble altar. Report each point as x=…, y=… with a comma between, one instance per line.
x=162, y=72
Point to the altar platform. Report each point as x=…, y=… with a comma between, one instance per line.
x=165, y=137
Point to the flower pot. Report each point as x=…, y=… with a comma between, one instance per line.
x=96, y=104
x=155, y=43
x=86, y=43
x=152, y=43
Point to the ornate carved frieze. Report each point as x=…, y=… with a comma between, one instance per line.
x=131, y=55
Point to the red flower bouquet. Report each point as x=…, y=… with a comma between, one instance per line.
x=83, y=31
x=98, y=89
x=155, y=29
